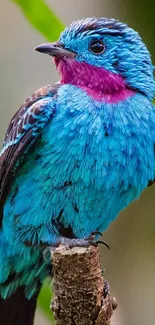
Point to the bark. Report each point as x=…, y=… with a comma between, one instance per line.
x=79, y=294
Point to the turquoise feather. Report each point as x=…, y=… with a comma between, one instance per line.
x=91, y=154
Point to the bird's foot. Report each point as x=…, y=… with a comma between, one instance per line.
x=106, y=294
x=106, y=289
x=82, y=242
x=75, y=242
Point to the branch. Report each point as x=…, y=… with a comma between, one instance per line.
x=80, y=297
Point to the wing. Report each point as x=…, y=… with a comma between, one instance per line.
x=22, y=133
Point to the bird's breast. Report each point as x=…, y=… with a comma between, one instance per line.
x=90, y=162
x=97, y=143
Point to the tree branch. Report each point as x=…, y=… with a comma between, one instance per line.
x=80, y=297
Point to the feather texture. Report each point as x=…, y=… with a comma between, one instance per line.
x=75, y=154
x=22, y=132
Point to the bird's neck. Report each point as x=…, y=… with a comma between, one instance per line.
x=99, y=83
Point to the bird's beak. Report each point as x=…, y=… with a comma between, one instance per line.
x=55, y=50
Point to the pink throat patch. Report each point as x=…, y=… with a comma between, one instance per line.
x=99, y=83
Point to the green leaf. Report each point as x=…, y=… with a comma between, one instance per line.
x=41, y=17
x=44, y=299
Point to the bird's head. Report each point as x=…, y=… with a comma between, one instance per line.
x=102, y=54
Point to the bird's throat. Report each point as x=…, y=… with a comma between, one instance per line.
x=99, y=83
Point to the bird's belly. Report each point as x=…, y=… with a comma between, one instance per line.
x=75, y=181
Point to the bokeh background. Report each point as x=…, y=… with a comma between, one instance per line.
x=130, y=265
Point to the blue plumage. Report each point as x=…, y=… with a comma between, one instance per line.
x=87, y=157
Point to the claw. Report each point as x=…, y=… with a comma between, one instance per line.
x=103, y=242
x=96, y=233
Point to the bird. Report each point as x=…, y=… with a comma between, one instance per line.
x=74, y=155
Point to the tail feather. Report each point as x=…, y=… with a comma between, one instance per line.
x=17, y=309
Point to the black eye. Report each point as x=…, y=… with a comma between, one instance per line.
x=97, y=46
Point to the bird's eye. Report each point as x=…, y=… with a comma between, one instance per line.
x=97, y=47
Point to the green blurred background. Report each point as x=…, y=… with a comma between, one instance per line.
x=130, y=265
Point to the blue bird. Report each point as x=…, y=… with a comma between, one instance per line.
x=75, y=154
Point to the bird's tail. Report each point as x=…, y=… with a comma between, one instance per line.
x=17, y=309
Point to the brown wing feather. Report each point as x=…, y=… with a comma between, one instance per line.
x=38, y=94
x=22, y=132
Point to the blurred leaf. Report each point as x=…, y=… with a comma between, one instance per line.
x=45, y=299
x=41, y=17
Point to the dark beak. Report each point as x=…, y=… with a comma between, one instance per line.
x=56, y=50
